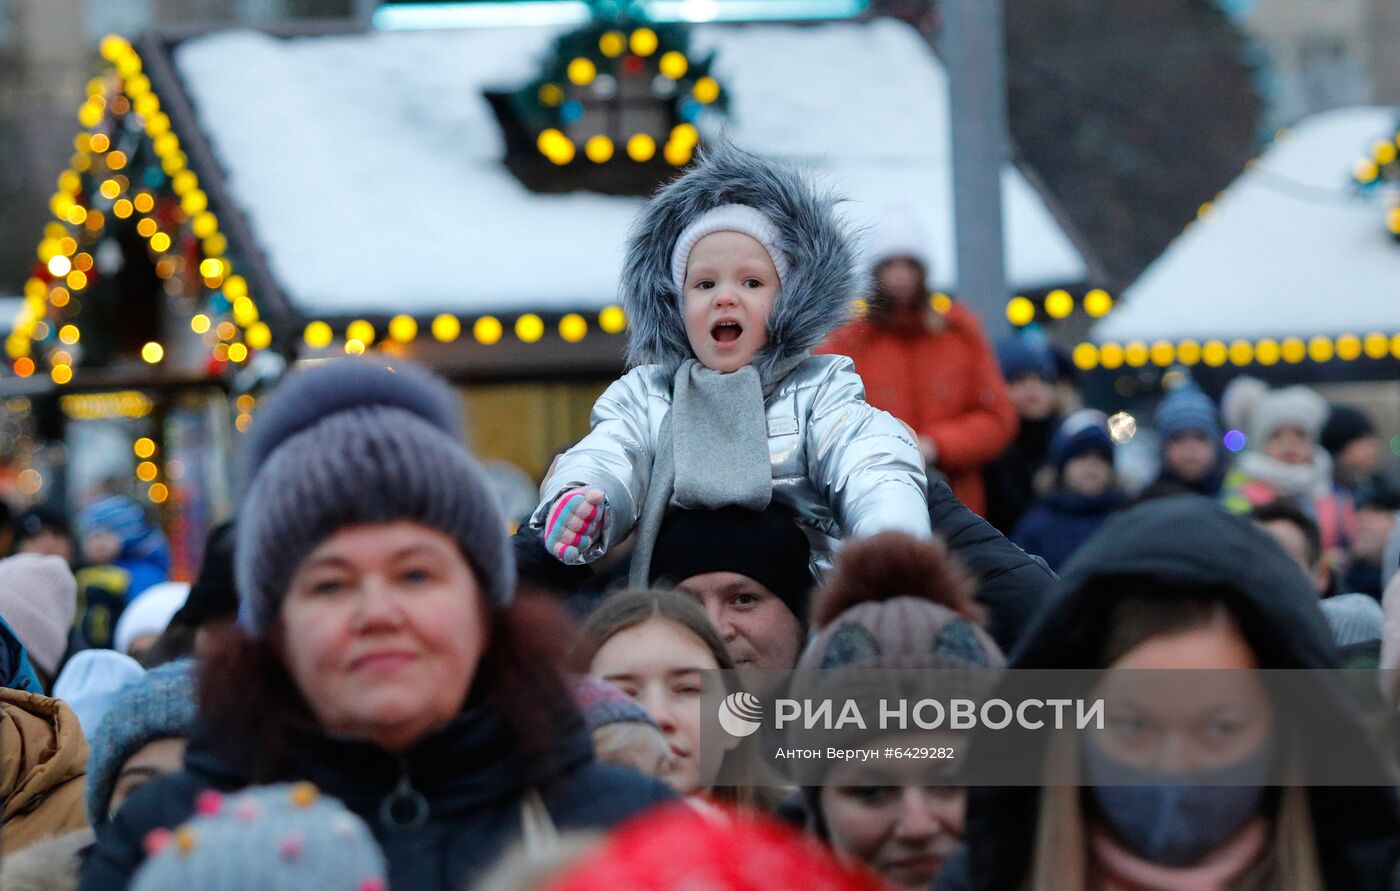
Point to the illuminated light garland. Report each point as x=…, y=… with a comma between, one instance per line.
x=122, y=91
x=1240, y=352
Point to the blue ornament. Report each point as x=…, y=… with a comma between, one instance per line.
x=153, y=177
x=570, y=111
x=220, y=303
x=690, y=110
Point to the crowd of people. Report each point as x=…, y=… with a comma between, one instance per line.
x=372, y=684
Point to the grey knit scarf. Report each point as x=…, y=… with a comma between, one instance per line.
x=711, y=449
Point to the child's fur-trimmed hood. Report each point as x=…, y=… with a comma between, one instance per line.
x=816, y=295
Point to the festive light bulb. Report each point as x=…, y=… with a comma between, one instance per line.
x=61, y=374
x=1366, y=171
x=1163, y=353
x=59, y=266
x=116, y=160
x=581, y=71
x=146, y=471
x=706, y=90
x=152, y=353
x=1215, y=353
x=360, y=330
x=551, y=95
x=318, y=335
x=1348, y=347
x=1377, y=345
x=673, y=64
x=612, y=320
x=1293, y=350
x=245, y=311
x=199, y=323
x=529, y=328
x=1320, y=349
x=1267, y=352
x=612, y=44
x=677, y=154
x=487, y=330
x=573, y=328
x=1136, y=354
x=644, y=41
x=1111, y=356
x=599, y=149
x=1097, y=303
x=1086, y=356
x=259, y=336
x=160, y=242
x=122, y=209
x=402, y=329
x=158, y=493
x=1020, y=311
x=446, y=328
x=1241, y=353
x=69, y=334
x=641, y=148
x=1058, y=304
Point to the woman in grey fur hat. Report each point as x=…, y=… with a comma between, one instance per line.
x=380, y=651
x=734, y=272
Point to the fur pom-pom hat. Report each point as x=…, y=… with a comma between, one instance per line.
x=1250, y=406
x=895, y=601
x=351, y=442
x=812, y=248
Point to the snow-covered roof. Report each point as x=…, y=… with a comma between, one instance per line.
x=1288, y=249
x=369, y=165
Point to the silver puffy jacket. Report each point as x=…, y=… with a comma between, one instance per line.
x=843, y=468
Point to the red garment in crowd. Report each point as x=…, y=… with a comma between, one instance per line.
x=947, y=386
x=678, y=847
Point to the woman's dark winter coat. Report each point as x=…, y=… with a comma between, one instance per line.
x=1056, y=527
x=470, y=772
x=1190, y=543
x=1010, y=479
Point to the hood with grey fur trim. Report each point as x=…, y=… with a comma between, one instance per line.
x=816, y=295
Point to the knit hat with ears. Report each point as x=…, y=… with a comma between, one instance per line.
x=811, y=246
x=351, y=442
x=274, y=837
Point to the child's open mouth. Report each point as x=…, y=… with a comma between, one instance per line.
x=726, y=332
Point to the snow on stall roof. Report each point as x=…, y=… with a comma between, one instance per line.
x=1288, y=249
x=369, y=165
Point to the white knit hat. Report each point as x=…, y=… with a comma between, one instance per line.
x=149, y=613
x=727, y=218
x=897, y=234
x=1250, y=406
x=38, y=599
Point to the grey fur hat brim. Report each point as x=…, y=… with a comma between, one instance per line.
x=348, y=443
x=816, y=296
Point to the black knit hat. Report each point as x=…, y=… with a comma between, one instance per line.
x=767, y=546
x=1344, y=426
x=213, y=596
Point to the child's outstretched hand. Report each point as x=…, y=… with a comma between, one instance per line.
x=574, y=523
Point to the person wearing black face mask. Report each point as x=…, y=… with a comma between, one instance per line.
x=1168, y=800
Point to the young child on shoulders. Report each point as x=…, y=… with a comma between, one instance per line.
x=733, y=273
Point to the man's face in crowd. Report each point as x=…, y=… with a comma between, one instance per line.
x=1295, y=544
x=1373, y=528
x=757, y=627
x=902, y=281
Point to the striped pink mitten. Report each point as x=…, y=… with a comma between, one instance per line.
x=574, y=523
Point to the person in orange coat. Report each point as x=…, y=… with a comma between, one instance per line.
x=930, y=366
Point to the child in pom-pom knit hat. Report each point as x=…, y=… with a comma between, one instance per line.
x=733, y=273
x=1283, y=459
